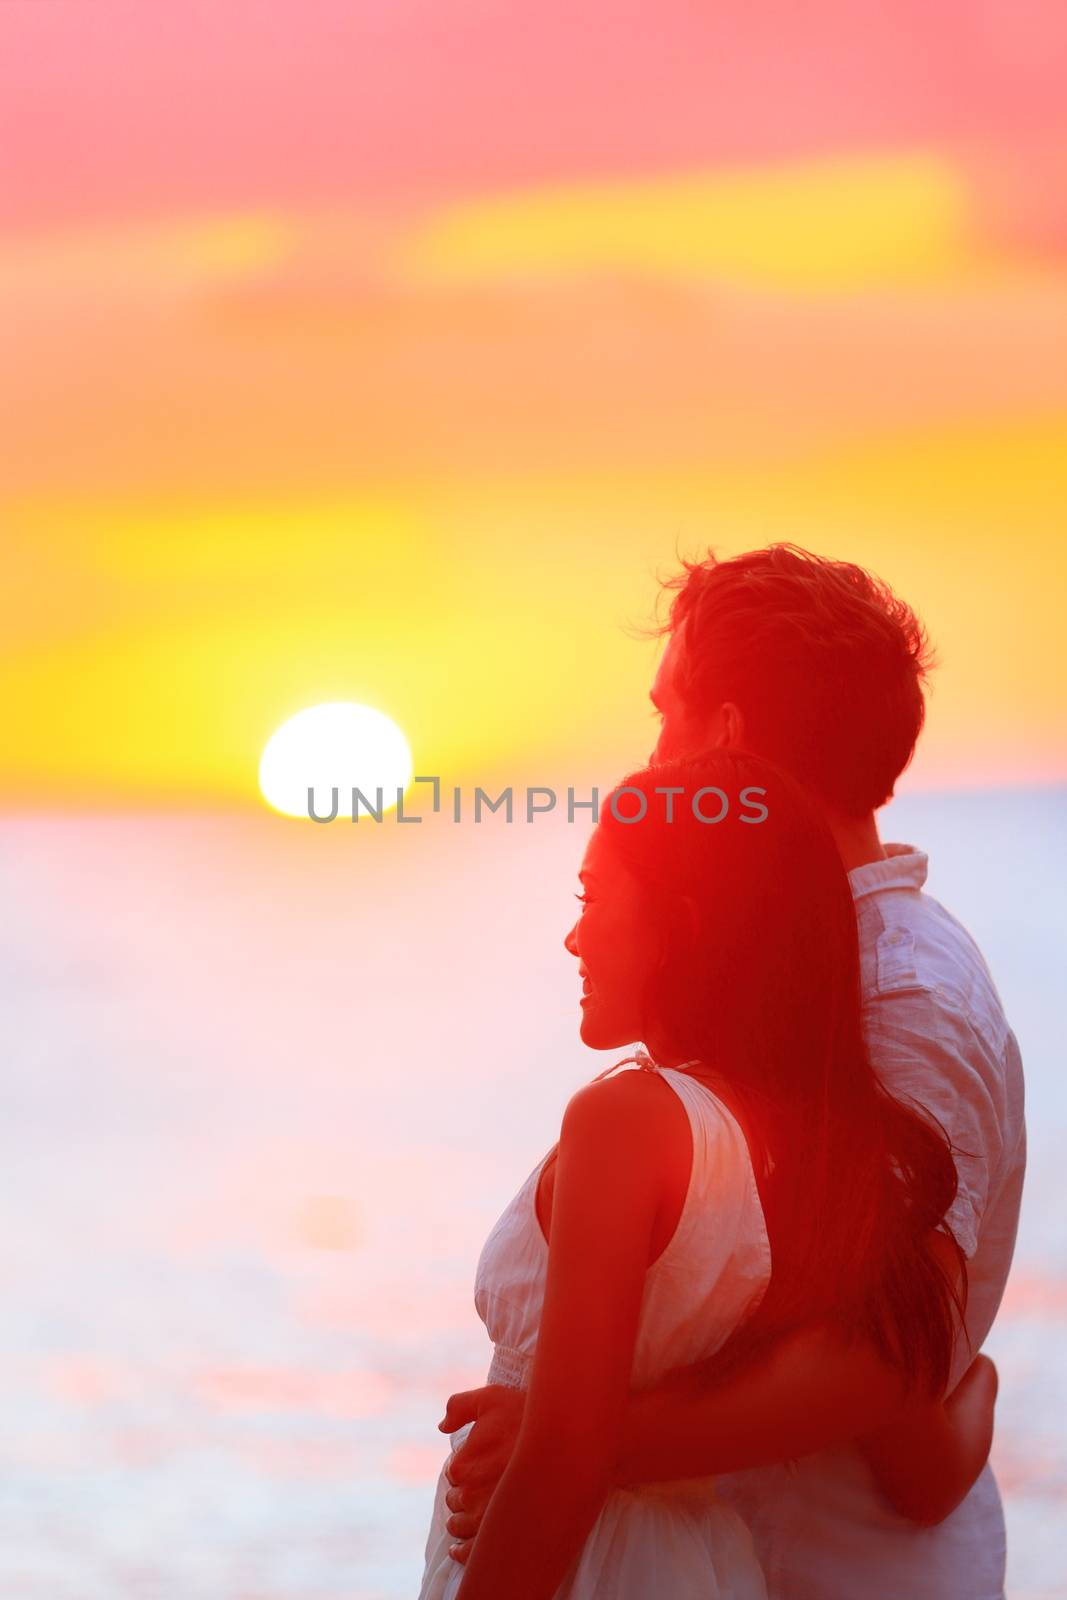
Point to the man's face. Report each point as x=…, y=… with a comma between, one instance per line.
x=681, y=732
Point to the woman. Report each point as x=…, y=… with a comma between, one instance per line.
x=756, y=1133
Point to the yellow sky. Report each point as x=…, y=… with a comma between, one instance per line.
x=432, y=459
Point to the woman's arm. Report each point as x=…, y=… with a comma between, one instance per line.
x=616, y=1139
x=928, y=1460
x=814, y=1389
x=810, y=1391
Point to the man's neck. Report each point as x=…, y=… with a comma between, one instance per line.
x=856, y=838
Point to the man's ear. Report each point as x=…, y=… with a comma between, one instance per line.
x=733, y=726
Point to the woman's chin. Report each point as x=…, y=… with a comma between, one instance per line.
x=597, y=1032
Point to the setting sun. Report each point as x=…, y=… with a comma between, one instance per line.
x=339, y=746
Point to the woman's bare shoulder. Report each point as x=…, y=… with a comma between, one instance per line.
x=633, y=1110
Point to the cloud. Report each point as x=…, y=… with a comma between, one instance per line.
x=813, y=226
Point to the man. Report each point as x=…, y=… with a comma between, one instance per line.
x=818, y=666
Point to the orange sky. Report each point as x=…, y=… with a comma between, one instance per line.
x=387, y=353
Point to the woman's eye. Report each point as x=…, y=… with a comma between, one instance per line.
x=584, y=898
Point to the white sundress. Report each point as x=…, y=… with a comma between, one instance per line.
x=669, y=1541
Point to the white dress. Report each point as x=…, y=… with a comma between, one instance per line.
x=671, y=1541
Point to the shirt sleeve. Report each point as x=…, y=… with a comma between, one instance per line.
x=925, y=1048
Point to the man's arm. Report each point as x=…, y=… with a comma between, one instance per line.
x=927, y=1462
x=809, y=1391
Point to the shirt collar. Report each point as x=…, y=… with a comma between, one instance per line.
x=903, y=868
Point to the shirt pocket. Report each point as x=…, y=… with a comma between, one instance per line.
x=895, y=968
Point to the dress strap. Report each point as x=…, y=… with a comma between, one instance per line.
x=643, y=1060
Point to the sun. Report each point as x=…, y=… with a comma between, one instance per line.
x=339, y=745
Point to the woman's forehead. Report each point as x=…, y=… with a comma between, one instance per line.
x=596, y=854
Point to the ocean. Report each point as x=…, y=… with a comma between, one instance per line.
x=266, y=1088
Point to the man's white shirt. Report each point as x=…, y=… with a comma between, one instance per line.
x=937, y=1033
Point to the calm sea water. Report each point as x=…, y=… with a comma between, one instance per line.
x=266, y=1087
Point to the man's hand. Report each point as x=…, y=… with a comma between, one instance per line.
x=474, y=1469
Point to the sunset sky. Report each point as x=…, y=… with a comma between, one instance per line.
x=390, y=352
x=387, y=352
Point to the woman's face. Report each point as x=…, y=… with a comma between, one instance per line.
x=616, y=946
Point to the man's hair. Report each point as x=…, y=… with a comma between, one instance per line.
x=824, y=662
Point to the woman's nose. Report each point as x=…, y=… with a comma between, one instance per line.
x=570, y=942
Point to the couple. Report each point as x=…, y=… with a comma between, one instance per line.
x=736, y=1310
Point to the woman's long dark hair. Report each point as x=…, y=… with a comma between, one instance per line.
x=761, y=981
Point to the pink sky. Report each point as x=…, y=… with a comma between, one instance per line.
x=112, y=109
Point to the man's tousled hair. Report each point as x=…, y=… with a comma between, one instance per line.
x=825, y=663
